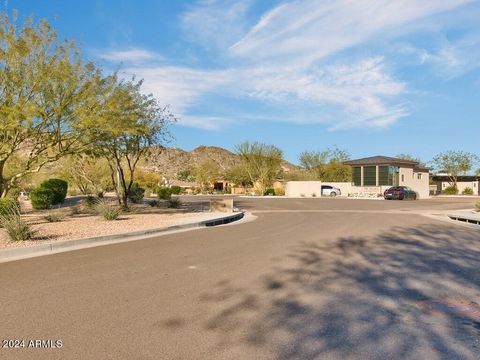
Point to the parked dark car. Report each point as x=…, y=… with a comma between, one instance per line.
x=399, y=193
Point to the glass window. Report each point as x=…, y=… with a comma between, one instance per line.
x=403, y=178
x=383, y=176
x=419, y=176
x=357, y=174
x=370, y=176
x=393, y=175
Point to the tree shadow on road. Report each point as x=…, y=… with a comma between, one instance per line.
x=411, y=293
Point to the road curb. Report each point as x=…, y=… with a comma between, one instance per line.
x=67, y=245
x=465, y=218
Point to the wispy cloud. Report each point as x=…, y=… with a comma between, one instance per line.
x=289, y=60
x=133, y=55
x=216, y=23
x=311, y=30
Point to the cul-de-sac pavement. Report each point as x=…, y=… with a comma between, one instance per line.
x=297, y=279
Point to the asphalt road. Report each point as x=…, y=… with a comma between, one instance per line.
x=308, y=279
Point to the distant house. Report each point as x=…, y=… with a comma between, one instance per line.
x=380, y=172
x=442, y=181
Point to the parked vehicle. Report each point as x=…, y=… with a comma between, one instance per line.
x=328, y=190
x=399, y=193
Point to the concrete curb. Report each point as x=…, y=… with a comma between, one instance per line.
x=67, y=245
x=465, y=218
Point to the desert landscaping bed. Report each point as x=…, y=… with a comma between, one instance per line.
x=84, y=226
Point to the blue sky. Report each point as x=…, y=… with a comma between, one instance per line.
x=372, y=77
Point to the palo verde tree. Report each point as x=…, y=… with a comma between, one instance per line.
x=326, y=165
x=261, y=162
x=130, y=123
x=206, y=173
x=455, y=164
x=45, y=90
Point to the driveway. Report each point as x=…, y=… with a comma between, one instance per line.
x=308, y=279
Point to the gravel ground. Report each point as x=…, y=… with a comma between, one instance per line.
x=83, y=226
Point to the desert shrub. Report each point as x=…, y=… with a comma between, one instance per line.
x=73, y=192
x=75, y=210
x=59, y=188
x=53, y=217
x=100, y=194
x=136, y=193
x=42, y=198
x=314, y=195
x=477, y=206
x=450, y=190
x=106, y=210
x=7, y=205
x=279, y=192
x=269, y=191
x=14, y=225
x=91, y=201
x=164, y=193
x=176, y=190
x=467, y=191
x=153, y=203
x=302, y=195
x=174, y=203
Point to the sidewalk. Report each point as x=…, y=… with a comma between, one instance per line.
x=52, y=247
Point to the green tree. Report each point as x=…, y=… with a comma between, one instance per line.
x=206, y=173
x=326, y=165
x=45, y=91
x=262, y=163
x=88, y=174
x=238, y=175
x=130, y=124
x=312, y=160
x=455, y=164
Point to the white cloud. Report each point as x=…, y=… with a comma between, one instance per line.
x=281, y=60
x=216, y=23
x=132, y=55
x=311, y=30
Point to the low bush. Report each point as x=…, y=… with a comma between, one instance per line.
x=314, y=195
x=153, y=203
x=53, y=217
x=42, y=198
x=176, y=190
x=136, y=193
x=467, y=191
x=279, y=192
x=107, y=211
x=59, y=188
x=477, y=206
x=164, y=193
x=7, y=205
x=174, y=203
x=75, y=210
x=269, y=191
x=16, y=228
x=450, y=190
x=91, y=201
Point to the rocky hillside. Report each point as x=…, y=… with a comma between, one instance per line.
x=171, y=161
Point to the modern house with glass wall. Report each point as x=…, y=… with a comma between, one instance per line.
x=377, y=173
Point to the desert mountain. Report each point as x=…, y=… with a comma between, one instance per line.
x=171, y=161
